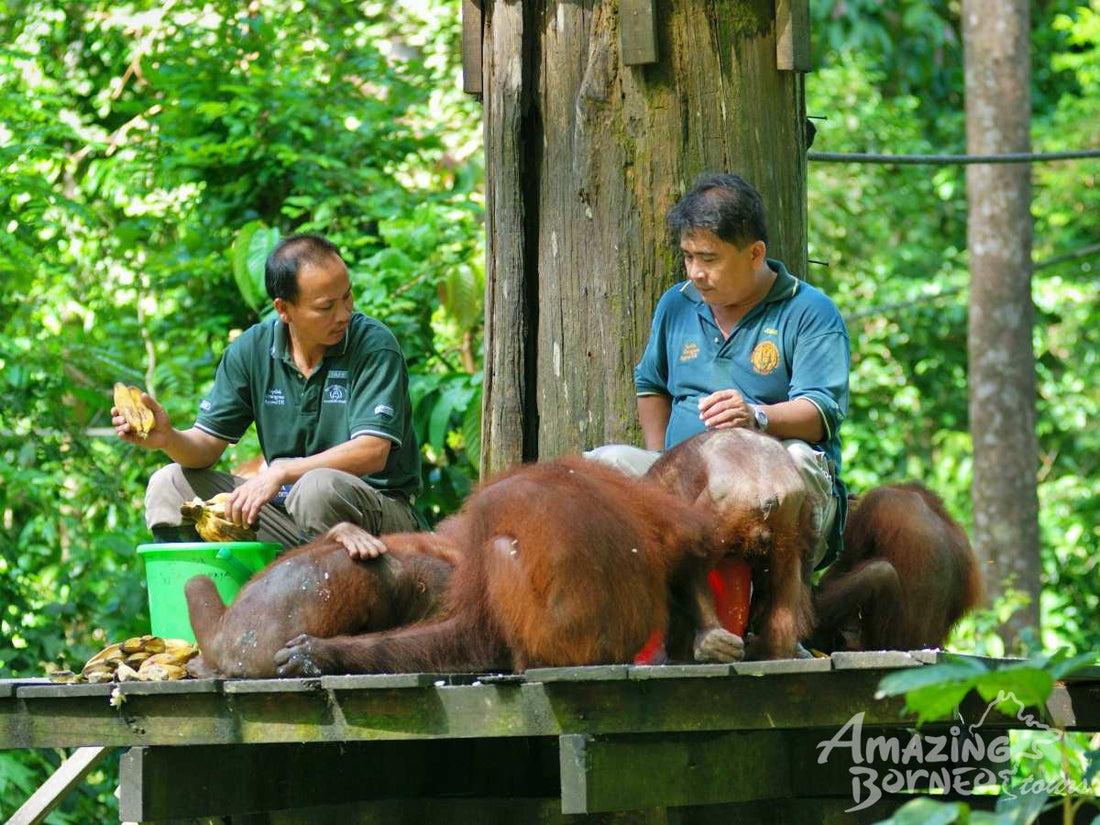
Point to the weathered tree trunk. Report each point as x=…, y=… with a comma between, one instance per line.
x=577, y=263
x=1002, y=362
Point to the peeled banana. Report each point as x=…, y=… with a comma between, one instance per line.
x=130, y=407
x=211, y=523
x=142, y=658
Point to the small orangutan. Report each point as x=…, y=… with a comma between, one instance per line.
x=906, y=576
x=566, y=562
x=756, y=493
x=318, y=589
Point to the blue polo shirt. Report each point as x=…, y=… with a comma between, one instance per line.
x=793, y=344
x=361, y=387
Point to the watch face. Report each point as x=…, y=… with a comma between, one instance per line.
x=761, y=418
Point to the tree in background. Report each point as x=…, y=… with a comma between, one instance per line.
x=996, y=35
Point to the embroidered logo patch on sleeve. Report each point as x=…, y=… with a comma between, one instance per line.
x=765, y=358
x=384, y=409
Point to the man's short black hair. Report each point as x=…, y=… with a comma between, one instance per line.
x=724, y=204
x=287, y=259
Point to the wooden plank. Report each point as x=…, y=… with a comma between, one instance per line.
x=638, y=32
x=792, y=35
x=595, y=673
x=471, y=47
x=380, y=680
x=873, y=659
x=602, y=774
x=8, y=686
x=780, y=701
x=40, y=690
x=710, y=671
x=236, y=686
x=67, y=776
x=218, y=781
x=778, y=666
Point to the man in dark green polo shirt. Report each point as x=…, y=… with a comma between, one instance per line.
x=329, y=392
x=743, y=343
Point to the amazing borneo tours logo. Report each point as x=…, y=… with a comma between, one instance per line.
x=956, y=761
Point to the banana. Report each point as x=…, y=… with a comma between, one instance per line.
x=111, y=653
x=211, y=523
x=146, y=658
x=133, y=410
x=180, y=650
x=162, y=673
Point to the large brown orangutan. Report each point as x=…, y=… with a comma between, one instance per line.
x=752, y=486
x=906, y=576
x=318, y=589
x=567, y=562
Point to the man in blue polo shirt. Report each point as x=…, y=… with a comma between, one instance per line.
x=743, y=343
x=329, y=392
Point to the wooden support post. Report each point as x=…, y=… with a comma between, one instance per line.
x=792, y=35
x=67, y=776
x=471, y=47
x=638, y=31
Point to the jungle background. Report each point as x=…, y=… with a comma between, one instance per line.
x=151, y=152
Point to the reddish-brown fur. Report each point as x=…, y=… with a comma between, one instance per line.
x=906, y=576
x=754, y=489
x=317, y=589
x=563, y=563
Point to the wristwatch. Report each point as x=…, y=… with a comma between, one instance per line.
x=760, y=418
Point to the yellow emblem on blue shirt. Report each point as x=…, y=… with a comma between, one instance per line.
x=691, y=350
x=765, y=357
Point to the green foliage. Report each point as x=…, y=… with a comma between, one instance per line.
x=895, y=242
x=150, y=155
x=1045, y=758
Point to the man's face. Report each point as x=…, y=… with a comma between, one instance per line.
x=322, y=311
x=723, y=274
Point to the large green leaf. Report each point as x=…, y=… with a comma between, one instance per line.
x=251, y=249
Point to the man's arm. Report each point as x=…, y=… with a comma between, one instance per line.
x=799, y=418
x=190, y=448
x=362, y=455
x=654, y=412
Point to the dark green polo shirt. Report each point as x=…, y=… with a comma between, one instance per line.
x=361, y=387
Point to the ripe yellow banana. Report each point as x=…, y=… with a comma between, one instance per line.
x=211, y=523
x=130, y=407
x=146, y=658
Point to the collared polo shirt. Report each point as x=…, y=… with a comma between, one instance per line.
x=361, y=387
x=793, y=344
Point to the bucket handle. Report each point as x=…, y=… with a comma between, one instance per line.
x=228, y=558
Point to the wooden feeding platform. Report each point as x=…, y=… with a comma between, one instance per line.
x=623, y=744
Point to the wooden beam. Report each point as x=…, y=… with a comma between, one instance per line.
x=185, y=783
x=471, y=47
x=68, y=775
x=792, y=35
x=638, y=31
x=603, y=774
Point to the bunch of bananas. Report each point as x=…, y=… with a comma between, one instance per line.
x=142, y=658
x=211, y=523
x=130, y=407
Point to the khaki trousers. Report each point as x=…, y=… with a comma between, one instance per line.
x=319, y=500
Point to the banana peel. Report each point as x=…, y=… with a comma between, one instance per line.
x=130, y=406
x=140, y=658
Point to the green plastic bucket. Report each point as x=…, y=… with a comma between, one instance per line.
x=168, y=568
